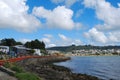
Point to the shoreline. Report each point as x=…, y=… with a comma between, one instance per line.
x=46, y=70
x=88, y=55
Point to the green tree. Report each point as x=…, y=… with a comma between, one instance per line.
x=35, y=44
x=8, y=42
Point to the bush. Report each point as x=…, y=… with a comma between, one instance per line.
x=17, y=69
x=7, y=64
x=27, y=76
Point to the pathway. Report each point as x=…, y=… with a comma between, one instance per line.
x=5, y=76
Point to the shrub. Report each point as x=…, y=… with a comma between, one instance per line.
x=17, y=69
x=7, y=64
x=27, y=76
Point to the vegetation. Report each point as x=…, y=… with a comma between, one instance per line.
x=32, y=52
x=9, y=42
x=35, y=44
x=27, y=76
x=20, y=73
x=7, y=64
x=86, y=47
x=17, y=69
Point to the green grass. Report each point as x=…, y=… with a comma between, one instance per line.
x=27, y=76
x=7, y=65
x=17, y=69
x=20, y=73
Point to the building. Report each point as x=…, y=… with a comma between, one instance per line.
x=19, y=50
x=37, y=52
x=4, y=49
x=52, y=51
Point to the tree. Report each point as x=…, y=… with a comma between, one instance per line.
x=19, y=43
x=35, y=44
x=8, y=42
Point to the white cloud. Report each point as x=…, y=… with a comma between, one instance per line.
x=108, y=32
x=109, y=14
x=13, y=14
x=24, y=40
x=51, y=45
x=67, y=41
x=59, y=17
x=77, y=42
x=118, y=4
x=78, y=13
x=46, y=40
x=95, y=35
x=68, y=3
x=57, y=1
x=61, y=41
x=63, y=37
x=78, y=26
x=48, y=35
x=114, y=37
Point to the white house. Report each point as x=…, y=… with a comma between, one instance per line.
x=4, y=49
x=52, y=51
x=37, y=51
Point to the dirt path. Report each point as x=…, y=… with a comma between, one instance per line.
x=5, y=76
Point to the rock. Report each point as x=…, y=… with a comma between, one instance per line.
x=45, y=68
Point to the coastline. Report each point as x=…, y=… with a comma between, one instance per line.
x=46, y=70
x=70, y=55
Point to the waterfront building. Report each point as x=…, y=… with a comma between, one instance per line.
x=4, y=49
x=37, y=52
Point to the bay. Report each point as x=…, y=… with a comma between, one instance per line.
x=104, y=67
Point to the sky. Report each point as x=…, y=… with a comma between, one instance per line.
x=61, y=22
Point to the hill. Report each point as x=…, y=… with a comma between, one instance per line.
x=86, y=47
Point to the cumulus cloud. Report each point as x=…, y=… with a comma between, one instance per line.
x=13, y=14
x=95, y=35
x=68, y=3
x=109, y=14
x=24, y=40
x=59, y=17
x=114, y=36
x=67, y=41
x=57, y=1
x=46, y=40
x=48, y=35
x=118, y=4
x=78, y=13
x=63, y=37
x=51, y=45
x=108, y=31
x=78, y=26
x=63, y=40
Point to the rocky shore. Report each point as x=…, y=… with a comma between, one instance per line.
x=45, y=68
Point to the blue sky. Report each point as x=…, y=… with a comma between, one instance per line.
x=61, y=22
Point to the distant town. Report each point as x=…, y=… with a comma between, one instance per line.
x=36, y=47
x=86, y=50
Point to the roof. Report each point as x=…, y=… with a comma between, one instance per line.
x=21, y=47
x=4, y=46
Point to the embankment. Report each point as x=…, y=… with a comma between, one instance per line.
x=44, y=68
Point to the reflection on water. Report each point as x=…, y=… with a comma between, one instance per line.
x=104, y=67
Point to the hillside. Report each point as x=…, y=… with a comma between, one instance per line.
x=86, y=47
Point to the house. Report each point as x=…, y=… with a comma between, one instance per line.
x=37, y=52
x=20, y=50
x=4, y=49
